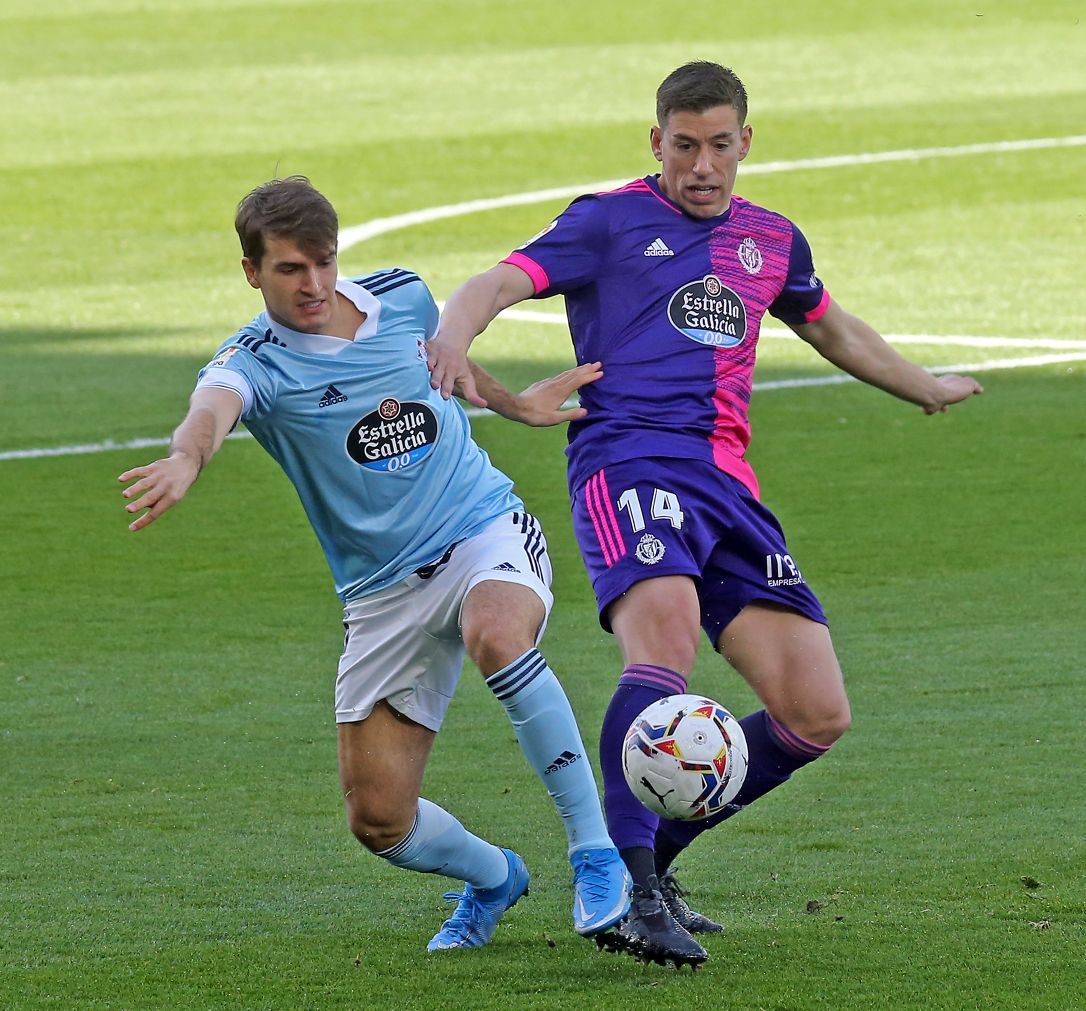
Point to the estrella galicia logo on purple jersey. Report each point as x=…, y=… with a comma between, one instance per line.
x=709, y=312
x=395, y=436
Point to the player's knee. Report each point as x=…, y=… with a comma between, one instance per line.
x=494, y=646
x=658, y=627
x=834, y=725
x=376, y=824
x=675, y=651
x=824, y=725
x=500, y=622
x=683, y=650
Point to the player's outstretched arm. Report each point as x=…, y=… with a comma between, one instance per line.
x=468, y=312
x=542, y=403
x=213, y=412
x=853, y=346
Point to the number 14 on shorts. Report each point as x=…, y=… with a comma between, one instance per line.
x=665, y=506
x=780, y=568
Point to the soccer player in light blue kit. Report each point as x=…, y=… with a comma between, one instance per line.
x=431, y=550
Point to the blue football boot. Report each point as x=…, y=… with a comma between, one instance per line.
x=479, y=909
x=601, y=890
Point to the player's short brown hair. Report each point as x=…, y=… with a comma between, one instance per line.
x=697, y=87
x=290, y=208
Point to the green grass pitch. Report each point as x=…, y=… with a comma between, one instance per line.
x=172, y=834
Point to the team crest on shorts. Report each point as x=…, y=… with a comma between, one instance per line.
x=709, y=312
x=395, y=436
x=750, y=256
x=650, y=550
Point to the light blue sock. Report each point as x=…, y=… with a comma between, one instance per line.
x=547, y=730
x=439, y=844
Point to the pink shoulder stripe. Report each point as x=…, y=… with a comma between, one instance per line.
x=540, y=281
x=638, y=185
x=667, y=203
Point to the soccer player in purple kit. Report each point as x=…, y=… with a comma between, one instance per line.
x=666, y=282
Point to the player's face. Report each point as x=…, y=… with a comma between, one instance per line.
x=299, y=288
x=700, y=153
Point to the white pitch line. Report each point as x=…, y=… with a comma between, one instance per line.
x=994, y=365
x=998, y=364
x=86, y=448
x=355, y=234
x=932, y=340
x=475, y=412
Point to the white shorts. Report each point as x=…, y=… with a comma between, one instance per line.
x=404, y=643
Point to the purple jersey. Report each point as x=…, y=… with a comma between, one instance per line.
x=672, y=305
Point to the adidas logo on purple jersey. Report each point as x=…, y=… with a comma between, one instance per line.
x=658, y=248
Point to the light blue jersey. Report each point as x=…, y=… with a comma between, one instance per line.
x=386, y=469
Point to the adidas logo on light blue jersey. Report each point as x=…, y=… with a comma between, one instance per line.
x=658, y=248
x=332, y=396
x=505, y=567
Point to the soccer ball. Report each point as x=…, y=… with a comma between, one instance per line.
x=685, y=757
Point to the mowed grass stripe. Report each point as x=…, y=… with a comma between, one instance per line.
x=248, y=96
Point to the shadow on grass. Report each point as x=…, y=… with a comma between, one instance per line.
x=56, y=388
x=27, y=338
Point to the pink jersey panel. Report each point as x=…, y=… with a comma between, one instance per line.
x=764, y=263
x=731, y=433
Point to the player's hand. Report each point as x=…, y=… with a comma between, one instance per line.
x=955, y=389
x=540, y=405
x=450, y=372
x=160, y=485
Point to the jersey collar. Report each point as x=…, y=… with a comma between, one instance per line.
x=654, y=185
x=322, y=344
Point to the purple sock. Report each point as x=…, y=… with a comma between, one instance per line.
x=775, y=753
x=629, y=822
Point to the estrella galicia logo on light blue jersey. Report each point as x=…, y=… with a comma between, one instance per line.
x=709, y=312
x=395, y=436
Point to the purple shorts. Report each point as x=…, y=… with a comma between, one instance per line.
x=657, y=517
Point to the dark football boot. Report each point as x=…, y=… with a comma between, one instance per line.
x=651, y=934
x=675, y=899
